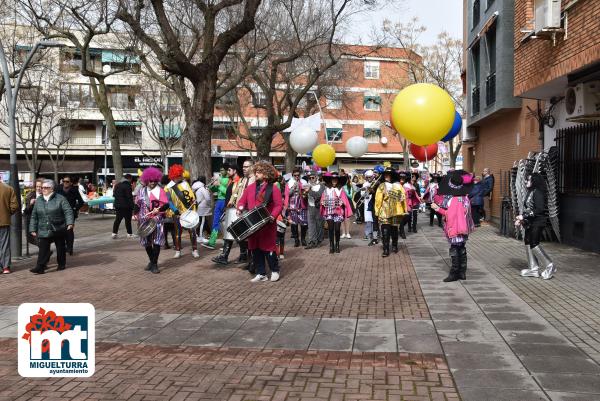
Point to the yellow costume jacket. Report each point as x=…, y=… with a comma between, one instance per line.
x=186, y=192
x=390, y=203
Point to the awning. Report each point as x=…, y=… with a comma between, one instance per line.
x=170, y=131
x=118, y=56
x=46, y=167
x=126, y=123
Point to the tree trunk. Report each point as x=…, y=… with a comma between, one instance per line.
x=196, y=142
x=290, y=154
x=405, y=153
x=101, y=96
x=263, y=144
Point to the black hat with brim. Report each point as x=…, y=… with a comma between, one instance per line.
x=393, y=173
x=456, y=183
x=328, y=178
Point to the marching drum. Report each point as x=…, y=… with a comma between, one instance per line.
x=281, y=227
x=229, y=216
x=146, y=228
x=189, y=219
x=249, y=223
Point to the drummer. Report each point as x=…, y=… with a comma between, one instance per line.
x=183, y=199
x=151, y=203
x=262, y=242
x=230, y=213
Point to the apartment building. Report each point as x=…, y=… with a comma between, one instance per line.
x=358, y=105
x=557, y=62
x=500, y=126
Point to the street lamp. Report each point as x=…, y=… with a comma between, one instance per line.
x=11, y=106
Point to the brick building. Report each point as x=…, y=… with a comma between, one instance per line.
x=500, y=128
x=557, y=62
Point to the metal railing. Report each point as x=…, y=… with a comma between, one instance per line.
x=579, y=159
x=490, y=89
x=475, y=100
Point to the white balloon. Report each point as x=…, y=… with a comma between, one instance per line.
x=357, y=146
x=304, y=139
x=384, y=140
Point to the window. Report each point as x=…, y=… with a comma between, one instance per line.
x=76, y=96
x=170, y=131
x=259, y=99
x=333, y=134
x=372, y=135
x=129, y=134
x=169, y=104
x=475, y=78
x=476, y=13
x=29, y=131
x=372, y=69
x=372, y=102
x=490, y=81
x=223, y=131
x=30, y=94
x=122, y=97
x=70, y=60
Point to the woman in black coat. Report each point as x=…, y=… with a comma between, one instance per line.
x=533, y=220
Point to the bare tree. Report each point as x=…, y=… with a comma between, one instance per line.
x=302, y=38
x=163, y=117
x=57, y=144
x=190, y=39
x=83, y=24
x=440, y=64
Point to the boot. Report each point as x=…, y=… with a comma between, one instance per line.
x=303, y=231
x=374, y=240
x=385, y=240
x=394, y=231
x=38, y=270
x=154, y=260
x=534, y=269
x=402, y=233
x=455, y=268
x=250, y=266
x=462, y=253
x=295, y=235
x=222, y=259
x=150, y=253
x=213, y=240
x=331, y=246
x=243, y=258
x=544, y=260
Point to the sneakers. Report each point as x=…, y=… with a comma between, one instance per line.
x=131, y=236
x=207, y=245
x=6, y=270
x=202, y=240
x=195, y=254
x=281, y=257
x=274, y=276
x=259, y=278
x=114, y=236
x=177, y=255
x=348, y=236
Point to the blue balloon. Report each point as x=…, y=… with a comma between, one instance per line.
x=309, y=154
x=455, y=130
x=379, y=169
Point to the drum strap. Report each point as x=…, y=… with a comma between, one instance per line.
x=266, y=195
x=182, y=198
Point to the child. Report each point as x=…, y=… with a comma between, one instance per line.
x=458, y=224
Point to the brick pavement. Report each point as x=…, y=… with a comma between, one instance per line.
x=161, y=373
x=357, y=283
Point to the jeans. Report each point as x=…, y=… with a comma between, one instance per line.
x=259, y=261
x=476, y=211
x=123, y=213
x=219, y=208
x=44, y=250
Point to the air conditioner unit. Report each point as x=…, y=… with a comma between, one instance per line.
x=547, y=15
x=582, y=102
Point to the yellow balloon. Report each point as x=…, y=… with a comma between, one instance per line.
x=324, y=155
x=423, y=113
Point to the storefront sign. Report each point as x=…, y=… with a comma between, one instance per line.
x=147, y=161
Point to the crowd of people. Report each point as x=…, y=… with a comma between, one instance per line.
x=309, y=202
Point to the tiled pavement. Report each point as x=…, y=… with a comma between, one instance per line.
x=497, y=345
x=359, y=325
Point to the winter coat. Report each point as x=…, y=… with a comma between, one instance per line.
x=477, y=194
x=123, y=195
x=264, y=239
x=8, y=204
x=52, y=215
x=457, y=216
x=488, y=184
x=204, y=199
x=535, y=208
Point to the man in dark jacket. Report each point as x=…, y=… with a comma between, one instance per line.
x=123, y=193
x=476, y=196
x=488, y=185
x=73, y=196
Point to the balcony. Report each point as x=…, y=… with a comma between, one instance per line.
x=475, y=101
x=490, y=89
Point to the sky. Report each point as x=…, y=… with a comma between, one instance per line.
x=435, y=15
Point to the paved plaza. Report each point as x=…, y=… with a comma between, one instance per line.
x=352, y=326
